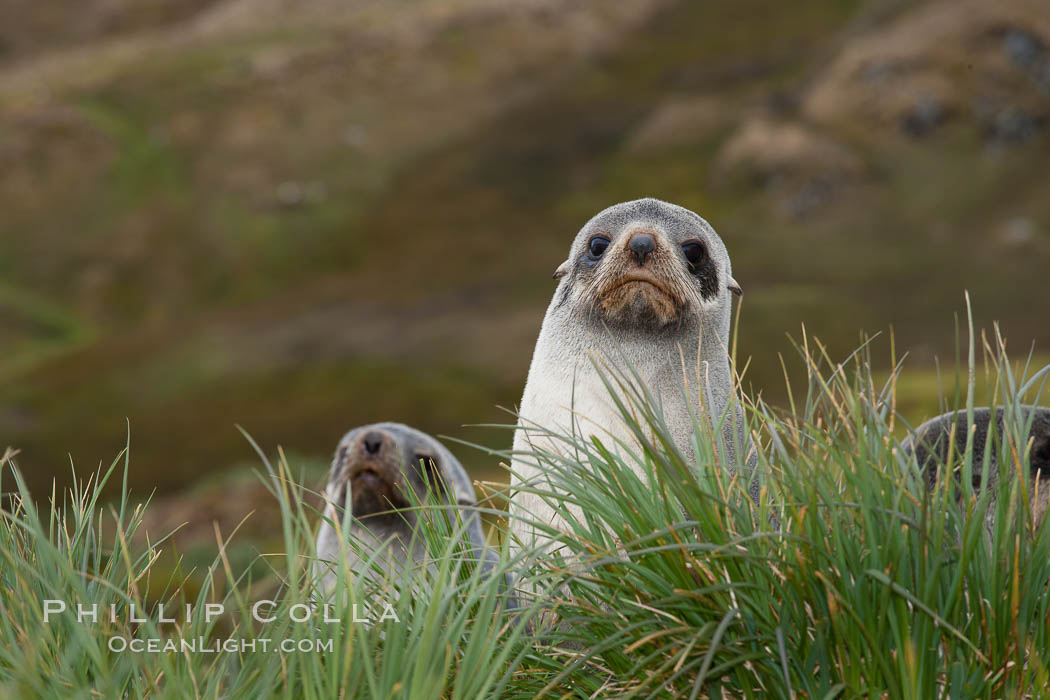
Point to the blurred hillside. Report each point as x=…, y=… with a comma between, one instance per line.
x=303, y=216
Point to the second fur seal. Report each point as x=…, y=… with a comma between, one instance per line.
x=374, y=468
x=649, y=283
x=932, y=442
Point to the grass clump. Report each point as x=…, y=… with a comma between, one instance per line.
x=870, y=583
x=278, y=637
x=850, y=578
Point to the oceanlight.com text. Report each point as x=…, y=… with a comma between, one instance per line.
x=230, y=645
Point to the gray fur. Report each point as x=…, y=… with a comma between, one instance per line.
x=398, y=464
x=670, y=350
x=930, y=443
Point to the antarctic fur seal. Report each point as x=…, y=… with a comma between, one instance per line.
x=373, y=468
x=930, y=443
x=646, y=283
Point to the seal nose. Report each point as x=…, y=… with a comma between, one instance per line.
x=373, y=441
x=641, y=244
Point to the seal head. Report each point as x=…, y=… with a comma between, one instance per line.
x=645, y=267
x=372, y=472
x=377, y=464
x=932, y=440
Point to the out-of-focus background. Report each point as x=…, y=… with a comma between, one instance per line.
x=303, y=216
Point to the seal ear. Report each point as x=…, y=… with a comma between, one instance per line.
x=562, y=270
x=734, y=287
x=337, y=462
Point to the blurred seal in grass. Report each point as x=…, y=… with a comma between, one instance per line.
x=374, y=468
x=646, y=288
x=931, y=442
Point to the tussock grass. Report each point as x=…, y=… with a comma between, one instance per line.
x=849, y=578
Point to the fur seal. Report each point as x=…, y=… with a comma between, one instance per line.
x=376, y=464
x=648, y=282
x=931, y=440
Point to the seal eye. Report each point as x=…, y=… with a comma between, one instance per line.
x=694, y=252
x=431, y=474
x=597, y=246
x=1041, y=459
